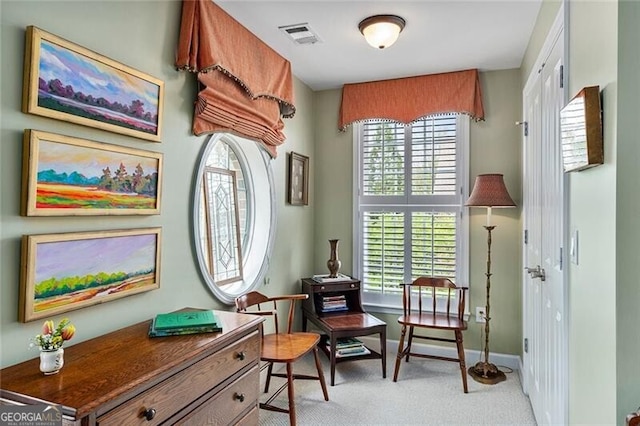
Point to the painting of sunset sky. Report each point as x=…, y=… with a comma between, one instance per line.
x=72, y=83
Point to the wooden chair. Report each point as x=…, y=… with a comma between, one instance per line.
x=437, y=315
x=285, y=348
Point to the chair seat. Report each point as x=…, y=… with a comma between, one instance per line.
x=287, y=347
x=433, y=321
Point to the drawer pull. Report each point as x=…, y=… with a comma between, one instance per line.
x=149, y=413
x=353, y=285
x=238, y=397
x=241, y=355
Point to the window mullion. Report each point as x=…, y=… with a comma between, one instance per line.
x=408, y=167
x=408, y=249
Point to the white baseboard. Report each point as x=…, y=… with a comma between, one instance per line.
x=513, y=362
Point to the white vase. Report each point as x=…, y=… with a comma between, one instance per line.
x=51, y=361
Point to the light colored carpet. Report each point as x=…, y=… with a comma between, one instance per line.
x=428, y=392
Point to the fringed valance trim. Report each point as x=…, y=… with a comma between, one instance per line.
x=287, y=110
x=391, y=120
x=406, y=100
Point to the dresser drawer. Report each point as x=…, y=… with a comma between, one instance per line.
x=331, y=287
x=177, y=391
x=237, y=398
x=252, y=418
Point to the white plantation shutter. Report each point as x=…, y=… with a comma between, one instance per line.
x=433, y=239
x=383, y=159
x=433, y=160
x=383, y=251
x=410, y=218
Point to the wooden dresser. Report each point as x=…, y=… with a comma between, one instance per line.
x=127, y=378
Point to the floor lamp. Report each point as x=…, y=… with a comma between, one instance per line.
x=488, y=191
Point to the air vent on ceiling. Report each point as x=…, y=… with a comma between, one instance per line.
x=300, y=33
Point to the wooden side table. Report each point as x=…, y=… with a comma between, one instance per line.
x=353, y=322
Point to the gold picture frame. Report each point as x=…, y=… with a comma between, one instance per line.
x=64, y=272
x=68, y=82
x=298, y=183
x=67, y=176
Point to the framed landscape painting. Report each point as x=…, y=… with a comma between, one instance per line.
x=71, y=83
x=65, y=176
x=64, y=272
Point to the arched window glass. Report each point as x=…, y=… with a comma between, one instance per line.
x=234, y=215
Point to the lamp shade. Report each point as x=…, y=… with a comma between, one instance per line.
x=489, y=191
x=381, y=31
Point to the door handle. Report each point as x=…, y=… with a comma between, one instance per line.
x=536, y=272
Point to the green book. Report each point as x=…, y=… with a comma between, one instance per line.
x=181, y=320
x=348, y=342
x=154, y=332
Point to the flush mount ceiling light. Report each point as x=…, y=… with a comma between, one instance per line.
x=381, y=31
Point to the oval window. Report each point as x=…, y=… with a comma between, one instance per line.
x=234, y=215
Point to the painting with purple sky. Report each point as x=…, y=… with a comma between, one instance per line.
x=84, y=257
x=68, y=82
x=68, y=271
x=94, y=78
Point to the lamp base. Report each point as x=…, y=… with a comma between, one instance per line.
x=487, y=373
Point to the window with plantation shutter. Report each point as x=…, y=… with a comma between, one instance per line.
x=409, y=218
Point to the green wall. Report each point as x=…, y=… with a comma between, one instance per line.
x=628, y=211
x=592, y=212
x=143, y=35
x=494, y=148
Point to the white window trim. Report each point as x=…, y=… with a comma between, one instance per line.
x=257, y=249
x=462, y=270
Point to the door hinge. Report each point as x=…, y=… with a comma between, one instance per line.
x=526, y=236
x=561, y=257
x=525, y=126
x=561, y=76
x=526, y=345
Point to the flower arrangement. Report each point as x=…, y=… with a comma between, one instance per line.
x=53, y=337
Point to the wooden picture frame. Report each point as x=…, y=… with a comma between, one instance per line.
x=66, y=176
x=298, y=183
x=581, y=131
x=64, y=272
x=68, y=82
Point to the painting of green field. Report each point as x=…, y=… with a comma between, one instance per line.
x=72, y=197
x=69, y=176
x=67, y=271
x=126, y=283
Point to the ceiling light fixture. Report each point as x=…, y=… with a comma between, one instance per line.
x=381, y=31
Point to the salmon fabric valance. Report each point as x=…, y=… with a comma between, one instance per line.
x=245, y=86
x=223, y=106
x=407, y=99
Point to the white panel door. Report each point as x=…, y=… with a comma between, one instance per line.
x=544, y=295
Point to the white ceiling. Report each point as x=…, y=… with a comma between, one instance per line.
x=440, y=36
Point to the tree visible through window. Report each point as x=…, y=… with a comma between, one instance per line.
x=410, y=204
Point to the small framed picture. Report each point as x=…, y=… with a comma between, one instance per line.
x=298, y=188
